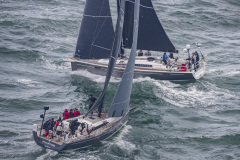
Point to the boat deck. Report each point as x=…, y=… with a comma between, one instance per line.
x=160, y=68
x=96, y=126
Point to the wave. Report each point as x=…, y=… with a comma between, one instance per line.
x=120, y=141
x=94, y=77
x=202, y=94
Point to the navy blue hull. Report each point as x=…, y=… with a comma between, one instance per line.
x=101, y=70
x=91, y=140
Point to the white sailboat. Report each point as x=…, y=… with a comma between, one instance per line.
x=96, y=36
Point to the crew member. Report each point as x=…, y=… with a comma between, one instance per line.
x=71, y=113
x=66, y=114
x=148, y=53
x=140, y=53
x=171, y=55
x=183, y=67
x=59, y=131
x=73, y=126
x=197, y=59
x=76, y=113
x=165, y=57
x=92, y=101
x=50, y=128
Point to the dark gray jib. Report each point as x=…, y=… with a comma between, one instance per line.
x=96, y=32
x=151, y=34
x=120, y=104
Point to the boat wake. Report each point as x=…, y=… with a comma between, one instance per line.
x=28, y=82
x=51, y=65
x=94, y=77
x=203, y=94
x=224, y=73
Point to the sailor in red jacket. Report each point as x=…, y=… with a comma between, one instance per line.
x=76, y=113
x=66, y=114
x=183, y=67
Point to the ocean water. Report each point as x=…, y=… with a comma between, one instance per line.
x=172, y=120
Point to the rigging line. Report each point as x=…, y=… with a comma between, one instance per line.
x=96, y=27
x=109, y=13
x=141, y=5
x=95, y=37
x=113, y=57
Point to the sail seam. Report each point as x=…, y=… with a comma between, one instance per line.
x=101, y=47
x=121, y=102
x=97, y=16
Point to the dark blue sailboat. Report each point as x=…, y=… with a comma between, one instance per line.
x=118, y=113
x=96, y=37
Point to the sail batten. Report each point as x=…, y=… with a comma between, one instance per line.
x=96, y=32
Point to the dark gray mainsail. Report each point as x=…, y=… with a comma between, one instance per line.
x=112, y=60
x=120, y=104
x=151, y=33
x=96, y=32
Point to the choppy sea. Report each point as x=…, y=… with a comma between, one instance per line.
x=185, y=120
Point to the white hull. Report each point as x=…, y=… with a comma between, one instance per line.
x=154, y=69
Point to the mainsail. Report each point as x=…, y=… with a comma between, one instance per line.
x=120, y=104
x=112, y=60
x=151, y=35
x=96, y=32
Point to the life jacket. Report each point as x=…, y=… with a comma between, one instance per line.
x=76, y=113
x=88, y=130
x=66, y=115
x=56, y=123
x=183, y=67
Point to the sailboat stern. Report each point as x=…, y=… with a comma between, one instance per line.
x=46, y=143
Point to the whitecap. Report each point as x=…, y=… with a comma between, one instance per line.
x=49, y=153
x=191, y=96
x=94, y=77
x=28, y=82
x=120, y=141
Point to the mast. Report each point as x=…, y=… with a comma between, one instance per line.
x=114, y=55
x=120, y=104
